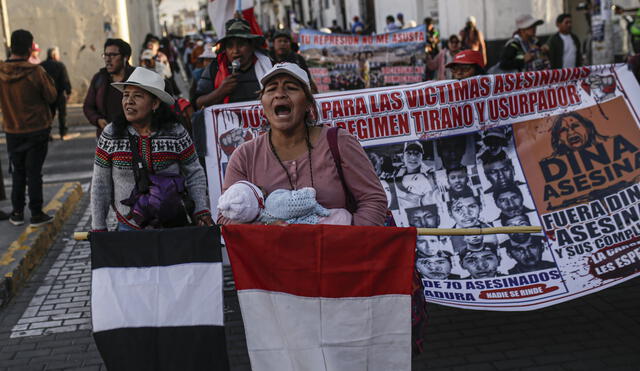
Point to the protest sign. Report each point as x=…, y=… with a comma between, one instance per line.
x=348, y=62
x=555, y=148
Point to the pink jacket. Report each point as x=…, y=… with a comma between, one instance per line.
x=253, y=161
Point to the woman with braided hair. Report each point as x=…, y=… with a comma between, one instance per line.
x=295, y=153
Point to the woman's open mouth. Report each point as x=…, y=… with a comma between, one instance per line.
x=282, y=109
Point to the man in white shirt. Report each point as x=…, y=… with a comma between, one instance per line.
x=564, y=47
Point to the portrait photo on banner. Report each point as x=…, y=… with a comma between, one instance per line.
x=477, y=183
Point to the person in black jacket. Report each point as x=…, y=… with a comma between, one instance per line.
x=523, y=52
x=58, y=73
x=103, y=103
x=564, y=46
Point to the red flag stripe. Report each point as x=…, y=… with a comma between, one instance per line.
x=322, y=260
x=249, y=15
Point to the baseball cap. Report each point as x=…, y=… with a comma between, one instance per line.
x=35, y=47
x=290, y=69
x=208, y=52
x=282, y=33
x=467, y=57
x=526, y=20
x=147, y=54
x=415, y=146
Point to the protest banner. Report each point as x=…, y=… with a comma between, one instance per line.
x=556, y=148
x=348, y=62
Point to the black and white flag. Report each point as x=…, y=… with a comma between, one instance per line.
x=156, y=299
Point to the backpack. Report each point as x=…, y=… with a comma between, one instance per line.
x=158, y=200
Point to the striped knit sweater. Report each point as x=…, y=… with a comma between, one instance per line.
x=169, y=151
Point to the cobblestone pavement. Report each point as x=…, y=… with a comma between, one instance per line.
x=47, y=326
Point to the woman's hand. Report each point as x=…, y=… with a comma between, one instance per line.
x=204, y=220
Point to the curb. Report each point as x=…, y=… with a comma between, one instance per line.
x=26, y=253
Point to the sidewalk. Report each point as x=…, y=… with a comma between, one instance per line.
x=22, y=247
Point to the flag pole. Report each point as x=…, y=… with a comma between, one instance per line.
x=81, y=236
x=477, y=231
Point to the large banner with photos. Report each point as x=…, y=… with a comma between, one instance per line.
x=557, y=148
x=349, y=62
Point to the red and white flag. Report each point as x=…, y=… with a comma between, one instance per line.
x=220, y=11
x=321, y=297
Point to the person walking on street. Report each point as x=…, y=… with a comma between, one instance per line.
x=282, y=51
x=523, y=52
x=564, y=46
x=103, y=102
x=391, y=24
x=26, y=91
x=204, y=61
x=433, y=36
x=34, y=57
x=234, y=75
x=58, y=73
x=438, y=64
x=400, y=18
x=465, y=64
x=357, y=27
x=161, y=59
x=473, y=39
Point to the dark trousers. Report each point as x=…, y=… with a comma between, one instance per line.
x=26, y=156
x=60, y=105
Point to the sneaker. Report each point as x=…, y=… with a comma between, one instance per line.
x=40, y=219
x=16, y=218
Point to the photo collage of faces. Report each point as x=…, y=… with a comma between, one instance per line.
x=466, y=181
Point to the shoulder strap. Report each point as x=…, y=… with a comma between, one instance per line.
x=139, y=169
x=332, y=138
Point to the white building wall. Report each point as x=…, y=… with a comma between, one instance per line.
x=496, y=18
x=409, y=8
x=413, y=10
x=352, y=9
x=77, y=27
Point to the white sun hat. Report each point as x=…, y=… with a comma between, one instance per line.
x=208, y=52
x=290, y=69
x=149, y=81
x=526, y=20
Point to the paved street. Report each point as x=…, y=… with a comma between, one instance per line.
x=47, y=326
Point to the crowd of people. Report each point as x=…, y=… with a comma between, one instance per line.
x=150, y=138
x=227, y=70
x=223, y=71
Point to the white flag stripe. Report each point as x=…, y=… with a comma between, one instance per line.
x=289, y=332
x=176, y=295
